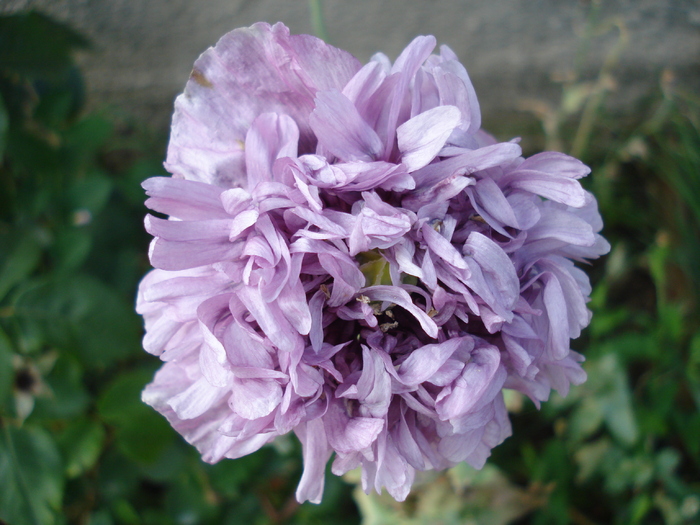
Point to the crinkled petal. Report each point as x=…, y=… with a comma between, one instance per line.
x=250, y=71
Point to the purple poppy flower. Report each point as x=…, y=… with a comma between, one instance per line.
x=350, y=257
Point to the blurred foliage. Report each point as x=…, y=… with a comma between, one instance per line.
x=77, y=446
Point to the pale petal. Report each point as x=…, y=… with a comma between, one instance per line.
x=557, y=164
x=254, y=398
x=481, y=376
x=406, y=443
x=270, y=137
x=342, y=130
x=316, y=454
x=405, y=66
x=497, y=267
x=184, y=199
x=424, y=362
x=558, y=338
x=559, y=189
x=346, y=434
x=467, y=163
x=197, y=399
x=374, y=385
x=271, y=319
x=423, y=136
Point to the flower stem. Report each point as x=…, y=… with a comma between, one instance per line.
x=317, y=20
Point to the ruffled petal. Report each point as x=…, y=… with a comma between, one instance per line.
x=423, y=136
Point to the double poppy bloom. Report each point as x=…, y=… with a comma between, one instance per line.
x=348, y=256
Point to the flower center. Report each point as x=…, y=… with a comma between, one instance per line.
x=374, y=267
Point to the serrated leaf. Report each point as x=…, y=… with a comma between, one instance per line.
x=31, y=477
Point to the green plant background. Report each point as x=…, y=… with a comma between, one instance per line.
x=77, y=446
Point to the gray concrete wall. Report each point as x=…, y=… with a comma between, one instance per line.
x=513, y=49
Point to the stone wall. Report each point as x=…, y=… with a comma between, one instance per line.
x=515, y=50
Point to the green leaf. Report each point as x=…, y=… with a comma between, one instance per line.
x=33, y=44
x=4, y=126
x=117, y=477
x=23, y=257
x=640, y=507
x=101, y=517
x=125, y=512
x=31, y=477
x=187, y=501
x=68, y=397
x=689, y=427
x=87, y=136
x=586, y=419
x=80, y=314
x=574, y=97
x=231, y=478
x=625, y=472
x=129, y=182
x=71, y=248
x=170, y=463
x=90, y=194
x=590, y=457
x=6, y=368
x=619, y=415
x=142, y=434
x=693, y=368
x=81, y=444
x=609, y=392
